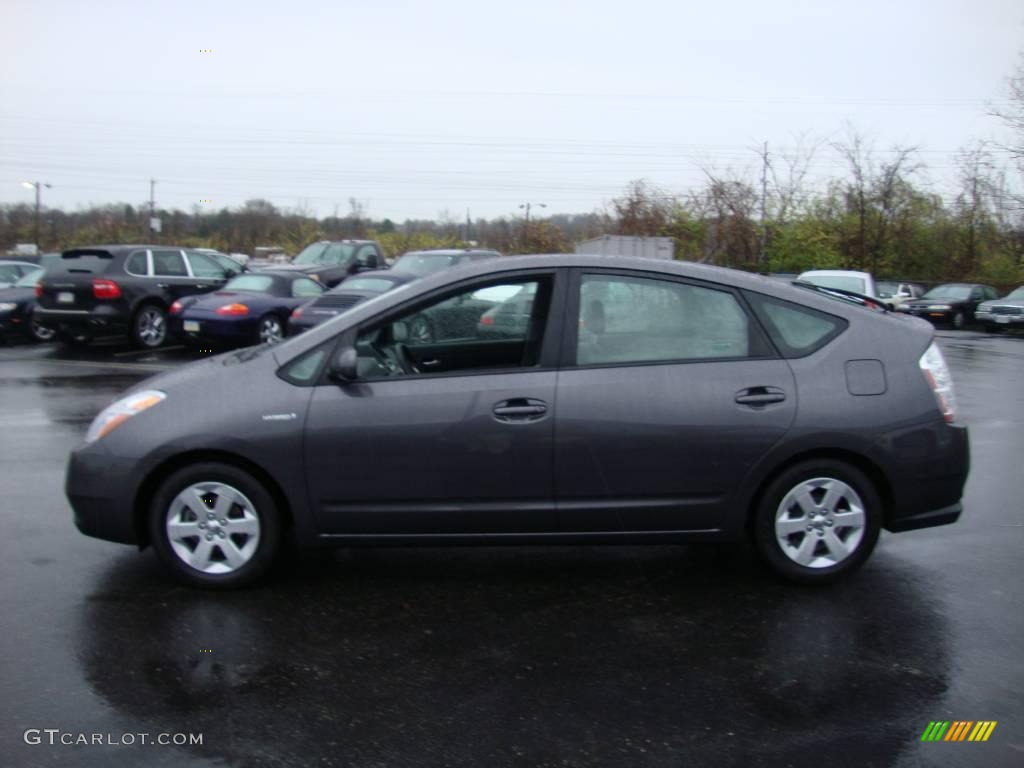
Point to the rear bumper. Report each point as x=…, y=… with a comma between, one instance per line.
x=926, y=490
x=102, y=492
x=103, y=318
x=216, y=330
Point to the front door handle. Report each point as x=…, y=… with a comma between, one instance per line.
x=757, y=397
x=520, y=409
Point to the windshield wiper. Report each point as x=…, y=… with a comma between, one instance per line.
x=842, y=294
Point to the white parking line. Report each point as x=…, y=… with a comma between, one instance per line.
x=131, y=352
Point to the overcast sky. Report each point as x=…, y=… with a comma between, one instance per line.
x=419, y=107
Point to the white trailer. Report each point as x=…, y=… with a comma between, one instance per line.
x=629, y=245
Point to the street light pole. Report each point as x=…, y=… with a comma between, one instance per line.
x=527, y=206
x=37, y=185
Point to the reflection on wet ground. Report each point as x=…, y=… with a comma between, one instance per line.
x=542, y=656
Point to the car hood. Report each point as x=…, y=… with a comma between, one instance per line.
x=989, y=303
x=208, y=367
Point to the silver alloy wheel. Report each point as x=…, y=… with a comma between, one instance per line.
x=150, y=326
x=271, y=331
x=41, y=332
x=213, y=527
x=820, y=522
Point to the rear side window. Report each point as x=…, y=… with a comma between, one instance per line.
x=136, y=264
x=796, y=330
x=169, y=264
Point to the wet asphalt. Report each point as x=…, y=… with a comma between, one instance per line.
x=562, y=656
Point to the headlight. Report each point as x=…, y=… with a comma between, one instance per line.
x=120, y=411
x=942, y=307
x=7, y=307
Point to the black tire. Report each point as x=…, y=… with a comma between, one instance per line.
x=767, y=541
x=262, y=508
x=75, y=340
x=958, y=322
x=149, y=327
x=40, y=334
x=992, y=328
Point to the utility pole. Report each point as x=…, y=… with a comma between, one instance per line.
x=764, y=206
x=152, y=205
x=38, y=186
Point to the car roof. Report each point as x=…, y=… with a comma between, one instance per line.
x=289, y=274
x=835, y=273
x=452, y=251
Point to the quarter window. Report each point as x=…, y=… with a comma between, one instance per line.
x=641, y=320
x=169, y=264
x=136, y=264
x=796, y=330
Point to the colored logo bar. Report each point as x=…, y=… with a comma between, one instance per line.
x=959, y=730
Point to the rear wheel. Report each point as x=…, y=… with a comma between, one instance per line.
x=40, y=333
x=215, y=525
x=149, y=327
x=271, y=330
x=817, y=521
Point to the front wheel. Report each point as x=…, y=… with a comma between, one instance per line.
x=40, y=333
x=149, y=327
x=215, y=526
x=817, y=521
x=959, y=321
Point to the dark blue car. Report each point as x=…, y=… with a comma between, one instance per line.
x=250, y=309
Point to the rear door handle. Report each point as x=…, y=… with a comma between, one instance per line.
x=520, y=409
x=760, y=396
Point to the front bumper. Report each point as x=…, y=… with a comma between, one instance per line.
x=102, y=491
x=991, y=318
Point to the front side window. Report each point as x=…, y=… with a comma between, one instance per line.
x=494, y=326
x=205, y=266
x=169, y=264
x=640, y=320
x=305, y=287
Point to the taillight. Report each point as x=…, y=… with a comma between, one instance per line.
x=176, y=307
x=296, y=313
x=39, y=290
x=936, y=373
x=487, y=320
x=105, y=289
x=234, y=310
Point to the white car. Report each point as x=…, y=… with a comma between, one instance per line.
x=896, y=293
x=843, y=279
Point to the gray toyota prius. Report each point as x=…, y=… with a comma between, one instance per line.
x=635, y=401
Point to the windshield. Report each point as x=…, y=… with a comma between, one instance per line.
x=368, y=284
x=424, y=263
x=29, y=280
x=254, y=283
x=886, y=290
x=1017, y=293
x=310, y=254
x=948, y=292
x=842, y=282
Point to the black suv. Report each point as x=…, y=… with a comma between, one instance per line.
x=107, y=289
x=331, y=261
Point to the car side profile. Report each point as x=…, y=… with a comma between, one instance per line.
x=641, y=402
x=952, y=304
x=1007, y=312
x=331, y=261
x=121, y=289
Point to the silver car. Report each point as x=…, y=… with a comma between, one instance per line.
x=1007, y=312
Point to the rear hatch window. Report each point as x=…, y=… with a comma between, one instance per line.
x=84, y=261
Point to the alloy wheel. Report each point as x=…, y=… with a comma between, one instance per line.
x=150, y=327
x=271, y=331
x=41, y=332
x=820, y=522
x=213, y=527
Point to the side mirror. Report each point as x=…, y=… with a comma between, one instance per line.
x=344, y=366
